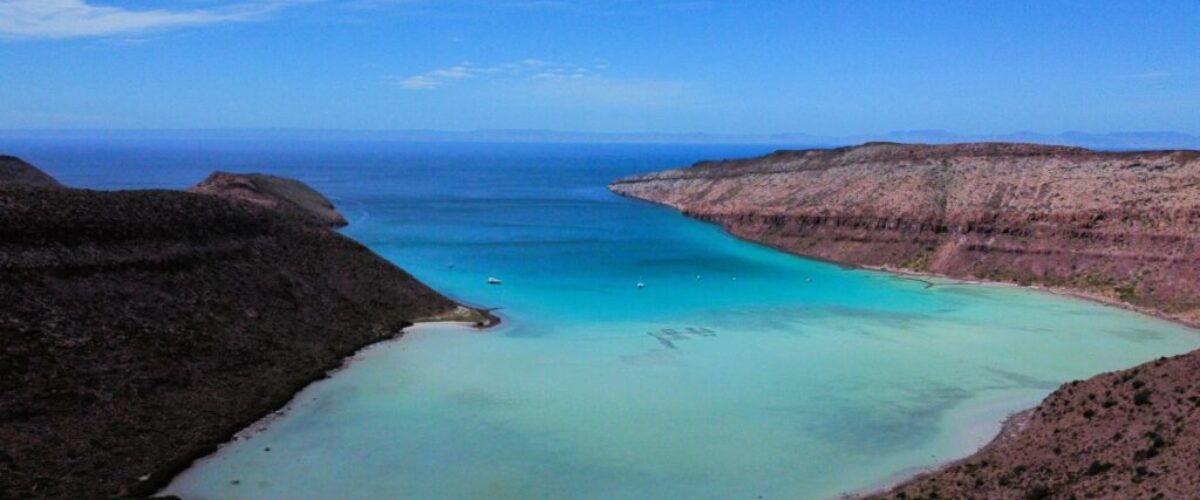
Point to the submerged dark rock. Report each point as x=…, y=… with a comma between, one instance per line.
x=140, y=329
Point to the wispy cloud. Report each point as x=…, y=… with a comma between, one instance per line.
x=540, y=82
x=1149, y=75
x=524, y=69
x=78, y=18
x=26, y=19
x=436, y=78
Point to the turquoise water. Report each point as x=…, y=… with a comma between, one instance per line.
x=737, y=372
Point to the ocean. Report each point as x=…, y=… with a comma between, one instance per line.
x=737, y=371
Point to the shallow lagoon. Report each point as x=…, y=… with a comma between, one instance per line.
x=738, y=371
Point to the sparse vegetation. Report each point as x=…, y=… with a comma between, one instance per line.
x=1098, y=467
x=1142, y=398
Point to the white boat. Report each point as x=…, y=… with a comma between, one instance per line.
x=494, y=281
x=641, y=285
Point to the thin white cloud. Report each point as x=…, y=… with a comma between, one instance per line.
x=454, y=72
x=419, y=82
x=531, y=69
x=1149, y=75
x=78, y=18
x=541, y=82
x=438, y=77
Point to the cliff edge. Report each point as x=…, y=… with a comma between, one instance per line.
x=140, y=329
x=1123, y=227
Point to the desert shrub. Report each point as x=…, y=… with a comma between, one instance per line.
x=1142, y=397
x=1098, y=467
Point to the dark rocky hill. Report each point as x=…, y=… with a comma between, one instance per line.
x=14, y=172
x=140, y=329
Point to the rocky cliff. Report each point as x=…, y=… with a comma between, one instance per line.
x=1119, y=226
x=139, y=329
x=1127, y=434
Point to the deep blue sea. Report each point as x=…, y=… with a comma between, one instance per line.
x=737, y=372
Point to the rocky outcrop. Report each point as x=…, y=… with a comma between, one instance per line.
x=15, y=172
x=1118, y=226
x=278, y=193
x=1128, y=434
x=140, y=329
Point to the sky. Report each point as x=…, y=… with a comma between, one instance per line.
x=745, y=67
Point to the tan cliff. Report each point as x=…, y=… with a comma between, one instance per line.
x=1122, y=226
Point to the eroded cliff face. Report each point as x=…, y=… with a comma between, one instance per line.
x=1120, y=226
x=140, y=329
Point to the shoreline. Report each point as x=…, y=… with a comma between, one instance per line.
x=1011, y=426
x=154, y=483
x=1054, y=290
x=898, y=271
x=348, y=362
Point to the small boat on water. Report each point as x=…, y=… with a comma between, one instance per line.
x=494, y=281
x=641, y=285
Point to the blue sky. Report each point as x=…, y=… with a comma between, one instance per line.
x=830, y=68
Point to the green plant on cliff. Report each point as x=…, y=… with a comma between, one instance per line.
x=1126, y=292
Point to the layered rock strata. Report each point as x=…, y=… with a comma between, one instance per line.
x=1120, y=226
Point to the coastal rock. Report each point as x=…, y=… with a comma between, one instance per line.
x=1127, y=434
x=15, y=172
x=278, y=193
x=140, y=329
x=1119, y=226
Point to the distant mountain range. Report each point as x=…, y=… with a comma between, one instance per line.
x=1112, y=140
